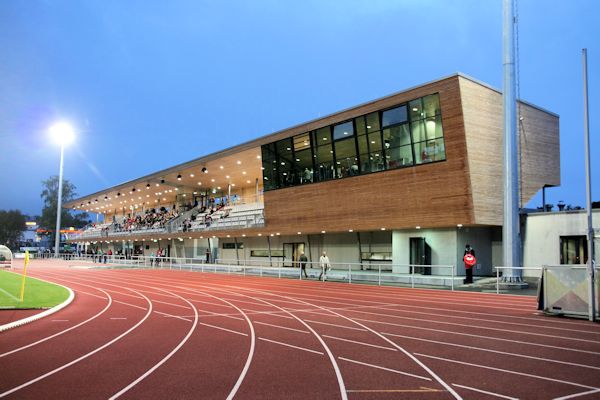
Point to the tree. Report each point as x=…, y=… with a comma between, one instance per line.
x=50, y=196
x=12, y=224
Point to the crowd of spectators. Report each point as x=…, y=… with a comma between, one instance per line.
x=151, y=219
x=204, y=216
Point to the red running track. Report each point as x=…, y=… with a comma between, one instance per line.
x=162, y=334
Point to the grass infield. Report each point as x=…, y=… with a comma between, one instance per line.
x=38, y=294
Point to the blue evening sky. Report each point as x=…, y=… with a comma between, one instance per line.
x=150, y=84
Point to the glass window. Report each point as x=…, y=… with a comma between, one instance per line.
x=360, y=125
x=322, y=136
x=302, y=142
x=433, y=127
x=373, y=122
x=398, y=157
x=394, y=116
x=304, y=166
x=396, y=136
x=346, y=160
x=431, y=105
x=418, y=131
x=343, y=131
x=416, y=110
x=324, y=163
x=269, y=166
x=429, y=151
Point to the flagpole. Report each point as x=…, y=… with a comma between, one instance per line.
x=24, y=275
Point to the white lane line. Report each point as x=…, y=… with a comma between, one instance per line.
x=485, y=392
x=290, y=345
x=210, y=303
x=492, y=351
x=88, y=293
x=386, y=369
x=497, y=339
x=336, y=325
x=214, y=314
x=273, y=313
x=91, y=353
x=9, y=294
x=173, y=316
x=118, y=318
x=536, y=326
x=65, y=331
x=223, y=329
x=572, y=396
x=471, y=326
x=170, y=304
x=544, y=378
x=361, y=343
x=130, y=305
x=168, y=356
x=281, y=327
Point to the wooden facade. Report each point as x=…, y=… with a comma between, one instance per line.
x=464, y=189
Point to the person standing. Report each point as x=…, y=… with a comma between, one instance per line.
x=470, y=261
x=303, y=260
x=325, y=266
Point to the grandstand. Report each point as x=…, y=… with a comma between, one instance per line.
x=404, y=180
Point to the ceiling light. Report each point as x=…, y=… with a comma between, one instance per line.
x=368, y=126
x=205, y=170
x=147, y=186
x=192, y=175
x=199, y=183
x=227, y=176
x=247, y=181
x=233, y=185
x=415, y=109
x=459, y=225
x=212, y=180
x=258, y=157
x=350, y=230
x=238, y=162
x=418, y=227
x=219, y=187
x=157, y=185
x=220, y=166
x=260, y=234
x=243, y=172
x=179, y=177
x=322, y=231
x=299, y=233
x=383, y=229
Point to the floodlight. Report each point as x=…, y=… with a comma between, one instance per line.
x=62, y=133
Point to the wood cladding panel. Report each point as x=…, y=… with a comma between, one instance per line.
x=540, y=158
x=430, y=195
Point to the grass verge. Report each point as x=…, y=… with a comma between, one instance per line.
x=38, y=294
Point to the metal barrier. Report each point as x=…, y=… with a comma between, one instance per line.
x=380, y=274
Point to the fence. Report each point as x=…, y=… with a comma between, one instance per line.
x=380, y=274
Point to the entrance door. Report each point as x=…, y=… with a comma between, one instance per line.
x=573, y=250
x=420, y=254
x=291, y=253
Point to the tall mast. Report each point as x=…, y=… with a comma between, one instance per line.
x=510, y=231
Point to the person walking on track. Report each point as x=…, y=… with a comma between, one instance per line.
x=325, y=266
x=303, y=260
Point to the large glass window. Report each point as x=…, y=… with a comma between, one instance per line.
x=324, y=155
x=269, y=166
x=394, y=116
x=404, y=135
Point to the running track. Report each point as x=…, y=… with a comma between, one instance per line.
x=144, y=334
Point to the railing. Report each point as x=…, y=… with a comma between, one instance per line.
x=341, y=272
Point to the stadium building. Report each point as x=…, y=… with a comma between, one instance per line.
x=406, y=179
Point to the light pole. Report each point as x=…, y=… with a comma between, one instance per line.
x=63, y=134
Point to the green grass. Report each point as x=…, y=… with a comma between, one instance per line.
x=38, y=294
